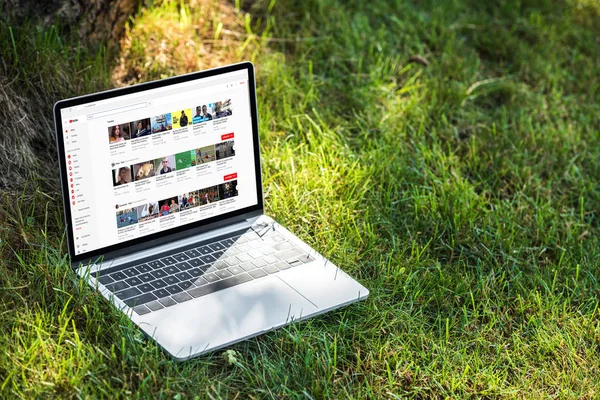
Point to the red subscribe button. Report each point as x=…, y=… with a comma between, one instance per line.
x=227, y=136
x=230, y=177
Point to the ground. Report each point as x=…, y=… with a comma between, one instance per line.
x=444, y=153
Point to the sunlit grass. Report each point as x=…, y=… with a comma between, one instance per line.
x=443, y=153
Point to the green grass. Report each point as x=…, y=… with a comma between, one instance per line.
x=463, y=193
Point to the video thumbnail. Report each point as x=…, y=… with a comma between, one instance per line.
x=168, y=206
x=184, y=160
x=164, y=165
x=225, y=149
x=140, y=128
x=228, y=189
x=143, y=170
x=162, y=123
x=147, y=211
x=201, y=115
x=188, y=200
x=118, y=133
x=205, y=154
x=126, y=217
x=181, y=118
x=222, y=109
x=122, y=176
x=208, y=195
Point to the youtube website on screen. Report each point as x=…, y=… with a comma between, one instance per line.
x=144, y=163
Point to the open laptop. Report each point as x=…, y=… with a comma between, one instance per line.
x=164, y=211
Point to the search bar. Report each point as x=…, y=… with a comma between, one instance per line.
x=117, y=110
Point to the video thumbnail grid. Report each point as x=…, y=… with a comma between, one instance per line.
x=176, y=162
x=169, y=121
x=171, y=205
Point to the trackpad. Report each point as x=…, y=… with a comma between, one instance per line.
x=230, y=315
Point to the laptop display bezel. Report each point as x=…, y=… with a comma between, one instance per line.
x=175, y=233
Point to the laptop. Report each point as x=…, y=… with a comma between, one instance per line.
x=164, y=214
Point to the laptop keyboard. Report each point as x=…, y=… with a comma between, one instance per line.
x=173, y=278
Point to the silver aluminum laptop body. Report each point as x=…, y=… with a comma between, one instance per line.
x=236, y=313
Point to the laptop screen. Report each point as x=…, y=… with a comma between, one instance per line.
x=154, y=160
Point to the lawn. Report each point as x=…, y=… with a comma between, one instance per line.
x=444, y=153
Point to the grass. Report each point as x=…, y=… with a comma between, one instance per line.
x=460, y=186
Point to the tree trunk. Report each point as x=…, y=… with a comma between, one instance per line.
x=98, y=21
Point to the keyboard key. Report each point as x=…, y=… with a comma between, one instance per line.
x=180, y=257
x=170, y=270
x=271, y=269
x=232, y=251
x=220, y=285
x=259, y=262
x=211, y=269
x=277, y=238
x=193, y=253
x=174, y=289
x=248, y=266
x=156, y=264
x=141, y=310
x=195, y=272
x=255, y=253
x=167, y=302
x=244, y=257
x=306, y=258
x=117, y=286
x=182, y=276
x=231, y=261
x=161, y=293
x=216, y=246
x=143, y=268
x=243, y=248
x=204, y=250
x=171, y=280
x=235, y=270
x=196, y=262
x=181, y=297
x=159, y=283
x=227, y=242
x=218, y=254
x=105, y=280
x=136, y=301
x=127, y=293
x=291, y=253
x=134, y=281
x=250, y=235
x=211, y=277
x=168, y=260
x=155, y=306
x=271, y=259
x=183, y=266
x=145, y=287
x=186, y=285
x=294, y=263
x=199, y=281
x=208, y=259
x=223, y=274
x=146, y=277
x=118, y=276
x=258, y=273
x=266, y=250
x=220, y=265
x=159, y=273
x=282, y=265
x=131, y=272
x=283, y=246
